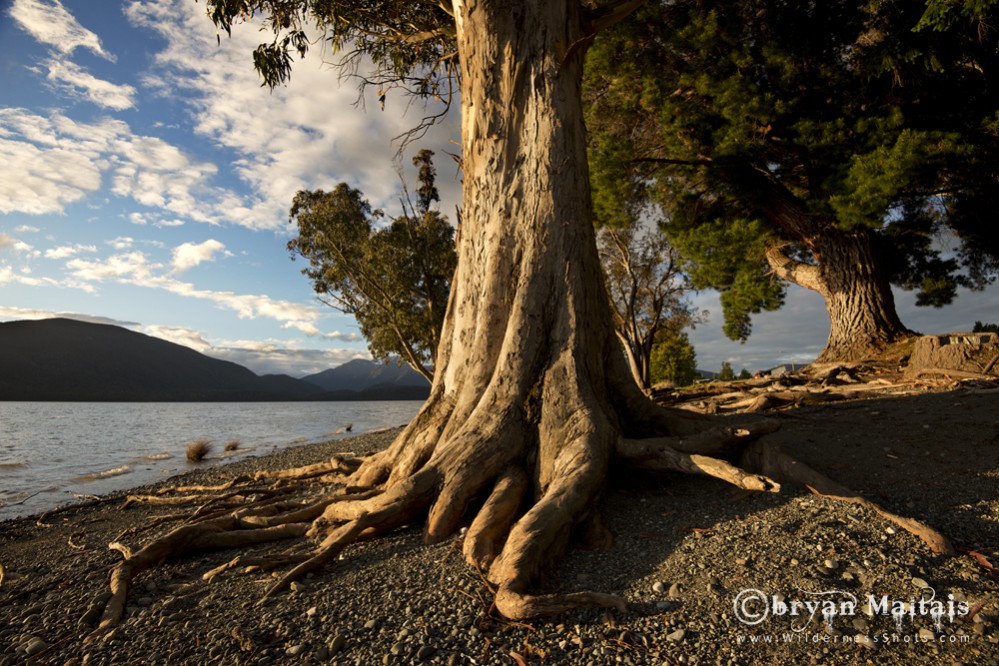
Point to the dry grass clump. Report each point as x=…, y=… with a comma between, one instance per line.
x=231, y=445
x=197, y=449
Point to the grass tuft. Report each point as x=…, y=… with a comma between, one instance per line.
x=231, y=445
x=197, y=449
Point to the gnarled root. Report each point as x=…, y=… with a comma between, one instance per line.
x=226, y=532
x=769, y=459
x=656, y=455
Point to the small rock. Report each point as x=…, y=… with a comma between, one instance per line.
x=676, y=636
x=658, y=587
x=322, y=654
x=34, y=646
x=674, y=591
x=398, y=649
x=426, y=652
x=831, y=564
x=926, y=634
x=298, y=587
x=293, y=650
x=371, y=624
x=864, y=641
x=339, y=641
x=861, y=625
x=919, y=583
x=890, y=530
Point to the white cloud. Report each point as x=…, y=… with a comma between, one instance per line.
x=26, y=229
x=6, y=241
x=78, y=81
x=135, y=268
x=131, y=267
x=311, y=330
x=188, y=337
x=189, y=255
x=49, y=162
x=122, y=242
x=66, y=251
x=10, y=313
x=305, y=135
x=49, y=22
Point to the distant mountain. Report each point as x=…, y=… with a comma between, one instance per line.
x=64, y=359
x=368, y=377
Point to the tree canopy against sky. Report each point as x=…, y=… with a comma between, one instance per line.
x=532, y=400
x=841, y=145
x=394, y=279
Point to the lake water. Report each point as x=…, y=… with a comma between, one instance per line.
x=52, y=453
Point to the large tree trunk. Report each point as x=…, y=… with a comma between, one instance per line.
x=529, y=357
x=852, y=280
x=862, y=316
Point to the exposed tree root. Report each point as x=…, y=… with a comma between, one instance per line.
x=657, y=457
x=336, y=465
x=769, y=459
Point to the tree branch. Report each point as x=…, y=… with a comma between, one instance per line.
x=801, y=274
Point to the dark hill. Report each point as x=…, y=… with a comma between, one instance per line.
x=370, y=377
x=64, y=359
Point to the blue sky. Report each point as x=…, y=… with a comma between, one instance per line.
x=145, y=179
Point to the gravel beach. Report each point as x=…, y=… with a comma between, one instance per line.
x=712, y=576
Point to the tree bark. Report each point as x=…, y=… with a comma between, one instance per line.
x=528, y=353
x=862, y=316
x=852, y=281
x=847, y=272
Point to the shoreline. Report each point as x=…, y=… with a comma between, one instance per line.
x=685, y=549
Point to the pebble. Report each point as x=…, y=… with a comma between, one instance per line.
x=34, y=645
x=658, y=587
x=676, y=636
x=674, y=591
x=920, y=584
x=865, y=642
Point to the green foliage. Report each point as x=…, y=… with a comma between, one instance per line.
x=761, y=122
x=985, y=328
x=673, y=360
x=726, y=374
x=394, y=278
x=745, y=374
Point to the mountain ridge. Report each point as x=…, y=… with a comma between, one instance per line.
x=70, y=360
